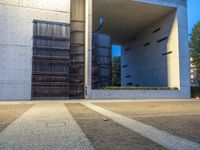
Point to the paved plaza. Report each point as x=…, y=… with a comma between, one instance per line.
x=100, y=125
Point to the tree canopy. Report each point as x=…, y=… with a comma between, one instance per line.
x=195, y=47
x=116, y=71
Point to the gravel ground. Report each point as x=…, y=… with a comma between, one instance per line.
x=106, y=134
x=9, y=113
x=178, y=118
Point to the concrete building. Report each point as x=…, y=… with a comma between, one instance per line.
x=153, y=34
x=193, y=74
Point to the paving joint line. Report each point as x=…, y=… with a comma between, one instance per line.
x=160, y=137
x=167, y=115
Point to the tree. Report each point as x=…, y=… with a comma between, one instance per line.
x=116, y=71
x=195, y=48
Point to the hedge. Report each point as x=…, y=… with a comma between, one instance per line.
x=135, y=88
x=195, y=91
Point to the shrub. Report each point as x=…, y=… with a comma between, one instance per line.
x=136, y=88
x=195, y=91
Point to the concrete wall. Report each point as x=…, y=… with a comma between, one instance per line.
x=144, y=62
x=184, y=59
x=137, y=94
x=16, y=29
x=180, y=57
x=170, y=3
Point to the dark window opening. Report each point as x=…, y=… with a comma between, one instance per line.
x=129, y=84
x=156, y=30
x=124, y=66
x=163, y=39
x=128, y=48
x=128, y=76
x=167, y=53
x=146, y=44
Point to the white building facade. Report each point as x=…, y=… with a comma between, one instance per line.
x=157, y=56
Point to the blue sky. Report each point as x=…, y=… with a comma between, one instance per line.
x=193, y=18
x=193, y=13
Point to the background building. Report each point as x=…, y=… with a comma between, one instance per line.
x=46, y=47
x=195, y=79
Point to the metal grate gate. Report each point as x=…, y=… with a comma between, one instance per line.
x=59, y=56
x=50, y=73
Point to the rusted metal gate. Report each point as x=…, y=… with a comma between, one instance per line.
x=50, y=73
x=59, y=56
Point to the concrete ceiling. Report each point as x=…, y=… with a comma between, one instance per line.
x=124, y=18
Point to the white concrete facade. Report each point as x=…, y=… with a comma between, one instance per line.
x=16, y=41
x=146, y=60
x=16, y=29
x=172, y=71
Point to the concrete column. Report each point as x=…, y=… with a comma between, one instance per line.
x=184, y=59
x=88, y=49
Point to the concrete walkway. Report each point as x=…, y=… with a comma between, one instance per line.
x=50, y=126
x=163, y=138
x=44, y=127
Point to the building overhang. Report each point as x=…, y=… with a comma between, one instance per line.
x=123, y=19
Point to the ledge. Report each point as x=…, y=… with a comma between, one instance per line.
x=136, y=88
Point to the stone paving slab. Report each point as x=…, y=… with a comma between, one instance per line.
x=180, y=118
x=9, y=113
x=159, y=136
x=105, y=134
x=186, y=126
x=153, y=108
x=44, y=127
